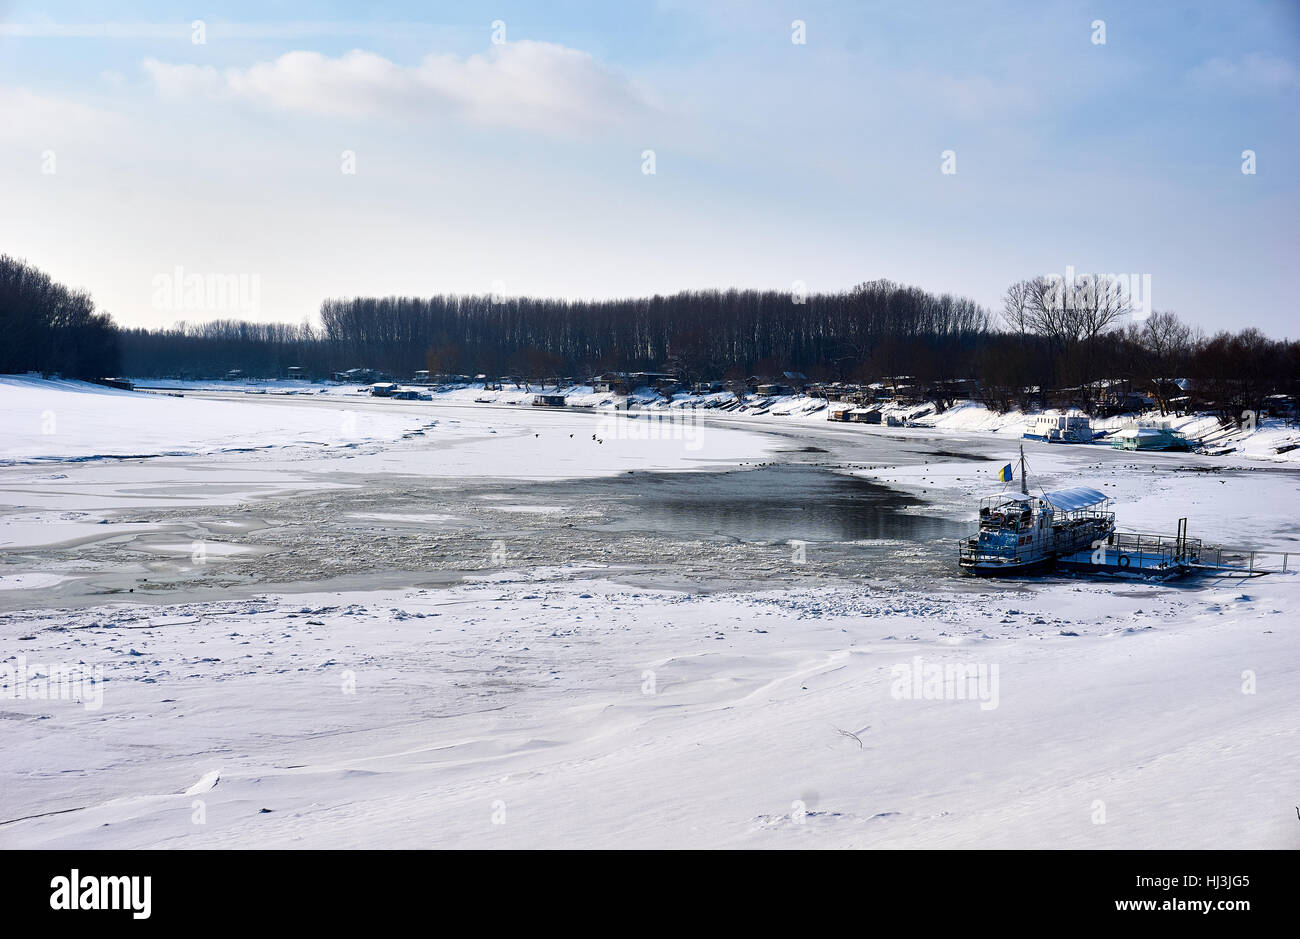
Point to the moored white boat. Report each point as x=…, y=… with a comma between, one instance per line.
x=1074, y=427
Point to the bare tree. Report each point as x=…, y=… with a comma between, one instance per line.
x=1161, y=347
x=1015, y=307
x=1069, y=317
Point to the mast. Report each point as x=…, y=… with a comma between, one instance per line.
x=1024, y=483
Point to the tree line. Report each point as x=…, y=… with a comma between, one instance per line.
x=49, y=328
x=697, y=334
x=1088, y=345
x=1051, y=343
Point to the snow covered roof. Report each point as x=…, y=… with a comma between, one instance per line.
x=1071, y=500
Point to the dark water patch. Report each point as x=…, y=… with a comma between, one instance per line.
x=774, y=503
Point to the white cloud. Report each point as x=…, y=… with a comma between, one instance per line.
x=179, y=81
x=535, y=85
x=42, y=120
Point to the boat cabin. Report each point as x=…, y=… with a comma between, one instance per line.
x=1024, y=531
x=1059, y=428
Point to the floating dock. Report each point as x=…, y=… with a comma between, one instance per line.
x=1161, y=557
x=1152, y=557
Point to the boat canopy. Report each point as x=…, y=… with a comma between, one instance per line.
x=1072, y=500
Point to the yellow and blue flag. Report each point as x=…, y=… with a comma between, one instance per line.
x=1004, y=474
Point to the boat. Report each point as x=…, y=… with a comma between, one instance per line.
x=1059, y=428
x=1023, y=533
x=1149, y=437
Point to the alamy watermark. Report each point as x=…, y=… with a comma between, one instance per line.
x=681, y=425
x=57, y=681
x=78, y=891
x=919, y=680
x=180, y=292
x=1071, y=291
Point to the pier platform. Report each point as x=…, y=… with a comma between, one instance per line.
x=1160, y=557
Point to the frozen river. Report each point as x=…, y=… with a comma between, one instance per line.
x=730, y=502
x=472, y=488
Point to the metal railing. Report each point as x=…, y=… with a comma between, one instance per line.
x=1174, y=547
x=1192, y=551
x=1244, y=559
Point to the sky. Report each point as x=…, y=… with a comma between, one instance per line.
x=249, y=160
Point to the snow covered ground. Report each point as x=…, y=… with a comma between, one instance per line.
x=50, y=420
x=552, y=710
x=44, y=421
x=280, y=639
x=1259, y=442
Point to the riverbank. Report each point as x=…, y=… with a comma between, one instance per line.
x=1259, y=439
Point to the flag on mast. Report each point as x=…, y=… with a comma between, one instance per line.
x=1005, y=474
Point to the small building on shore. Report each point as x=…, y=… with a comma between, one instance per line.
x=863, y=416
x=361, y=376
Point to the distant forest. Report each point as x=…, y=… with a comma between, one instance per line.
x=45, y=327
x=713, y=334
x=1042, y=338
